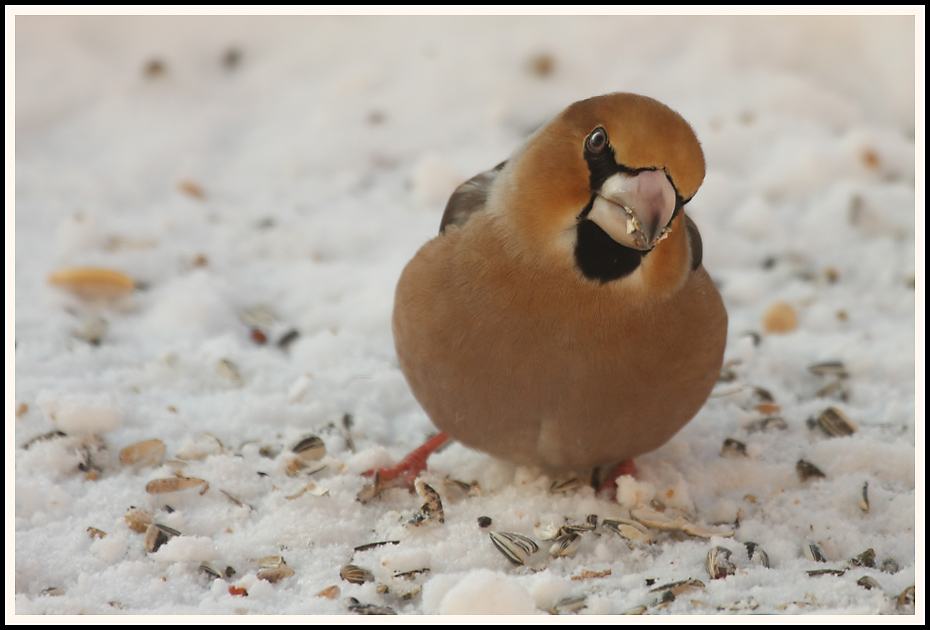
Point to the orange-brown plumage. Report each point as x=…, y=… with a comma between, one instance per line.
x=536, y=327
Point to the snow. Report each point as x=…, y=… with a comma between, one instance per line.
x=302, y=171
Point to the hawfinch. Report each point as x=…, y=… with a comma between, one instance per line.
x=562, y=317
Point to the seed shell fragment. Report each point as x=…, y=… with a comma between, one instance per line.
x=864, y=498
x=907, y=598
x=157, y=535
x=431, y=510
x=630, y=530
x=142, y=454
x=309, y=448
x=829, y=368
x=571, y=604
x=807, y=470
x=664, y=522
x=93, y=282
x=864, y=559
x=275, y=575
x=367, y=609
x=757, y=555
x=813, y=551
x=565, y=546
x=733, y=448
x=718, y=563
x=172, y=484
x=516, y=547
x=868, y=583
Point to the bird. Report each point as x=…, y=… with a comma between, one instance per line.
x=562, y=318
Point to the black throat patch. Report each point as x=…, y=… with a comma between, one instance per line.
x=600, y=257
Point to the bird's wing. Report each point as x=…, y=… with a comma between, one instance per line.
x=469, y=198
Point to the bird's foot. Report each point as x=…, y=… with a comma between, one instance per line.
x=406, y=472
x=609, y=485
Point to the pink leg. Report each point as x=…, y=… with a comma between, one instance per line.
x=626, y=467
x=413, y=464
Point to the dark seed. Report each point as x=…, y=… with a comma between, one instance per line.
x=484, y=521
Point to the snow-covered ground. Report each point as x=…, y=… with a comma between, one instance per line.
x=278, y=172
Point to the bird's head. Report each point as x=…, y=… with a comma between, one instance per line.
x=606, y=178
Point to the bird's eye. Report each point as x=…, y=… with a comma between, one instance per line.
x=596, y=141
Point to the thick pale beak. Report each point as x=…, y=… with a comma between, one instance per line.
x=635, y=210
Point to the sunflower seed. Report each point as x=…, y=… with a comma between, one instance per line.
x=819, y=572
x=864, y=498
x=806, y=470
x=145, y=453
x=718, y=563
x=677, y=588
x=868, y=583
x=757, y=555
x=484, y=521
x=835, y=423
x=356, y=575
x=630, y=530
x=93, y=283
x=812, y=551
x=157, y=535
x=836, y=387
x=565, y=546
x=829, y=368
x=576, y=528
x=515, y=547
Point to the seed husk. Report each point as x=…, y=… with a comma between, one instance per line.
x=373, y=545
x=274, y=575
x=630, y=530
x=718, y=563
x=172, y=484
x=211, y=570
x=807, y=470
x=889, y=566
x=367, y=609
x=52, y=591
x=484, y=521
x=431, y=510
x=819, y=572
x=565, y=485
x=835, y=423
x=270, y=562
x=813, y=551
x=142, y=454
x=836, y=387
x=93, y=282
x=757, y=555
x=93, y=532
x=770, y=423
x=829, y=368
x=157, y=535
x=565, y=545
x=907, y=597
x=138, y=519
x=330, y=592
x=91, y=330
x=355, y=574
x=733, y=448
x=868, y=583
x=635, y=610
x=571, y=604
x=576, y=528
x=515, y=547
x=864, y=498
x=664, y=522
x=228, y=370
x=864, y=559
x=309, y=448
